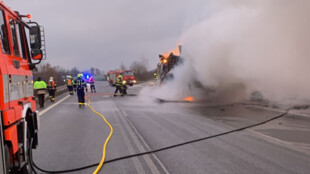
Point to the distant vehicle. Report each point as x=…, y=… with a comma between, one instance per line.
x=128, y=76
x=167, y=62
x=19, y=117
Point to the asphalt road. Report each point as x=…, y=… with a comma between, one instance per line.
x=72, y=137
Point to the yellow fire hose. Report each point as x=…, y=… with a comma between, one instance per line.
x=106, y=141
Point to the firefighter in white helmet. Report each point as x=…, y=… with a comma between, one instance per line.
x=51, y=86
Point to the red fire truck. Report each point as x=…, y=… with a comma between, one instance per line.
x=128, y=76
x=19, y=118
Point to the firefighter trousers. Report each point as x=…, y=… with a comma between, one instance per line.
x=51, y=92
x=92, y=88
x=41, y=100
x=118, y=88
x=70, y=89
x=81, y=96
x=124, y=89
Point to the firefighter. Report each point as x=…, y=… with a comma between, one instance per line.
x=124, y=88
x=51, y=86
x=118, y=84
x=40, y=90
x=86, y=81
x=70, y=85
x=74, y=86
x=85, y=86
x=155, y=76
x=92, y=84
x=80, y=84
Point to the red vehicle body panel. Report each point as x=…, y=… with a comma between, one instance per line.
x=16, y=80
x=128, y=76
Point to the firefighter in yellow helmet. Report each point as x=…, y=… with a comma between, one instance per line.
x=155, y=76
x=118, y=85
x=80, y=84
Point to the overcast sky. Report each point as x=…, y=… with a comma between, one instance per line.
x=104, y=33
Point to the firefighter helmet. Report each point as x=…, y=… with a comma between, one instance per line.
x=80, y=75
x=120, y=76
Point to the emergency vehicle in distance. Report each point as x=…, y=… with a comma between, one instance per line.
x=128, y=76
x=19, y=119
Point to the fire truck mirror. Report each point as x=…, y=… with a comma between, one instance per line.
x=35, y=42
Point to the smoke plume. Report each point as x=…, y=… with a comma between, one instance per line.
x=246, y=46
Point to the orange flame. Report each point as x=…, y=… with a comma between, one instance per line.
x=189, y=99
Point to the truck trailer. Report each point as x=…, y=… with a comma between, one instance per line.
x=167, y=62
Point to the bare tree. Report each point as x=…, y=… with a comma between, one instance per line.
x=123, y=67
x=45, y=71
x=141, y=69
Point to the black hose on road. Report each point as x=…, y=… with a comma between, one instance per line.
x=161, y=149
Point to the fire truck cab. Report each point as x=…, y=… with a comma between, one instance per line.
x=129, y=77
x=19, y=121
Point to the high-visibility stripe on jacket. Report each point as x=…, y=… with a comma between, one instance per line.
x=39, y=85
x=51, y=84
x=118, y=82
x=80, y=83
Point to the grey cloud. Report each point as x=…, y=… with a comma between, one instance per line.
x=105, y=33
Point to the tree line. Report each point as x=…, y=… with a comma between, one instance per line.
x=46, y=70
x=141, y=70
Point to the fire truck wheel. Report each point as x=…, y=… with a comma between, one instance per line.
x=27, y=169
x=7, y=157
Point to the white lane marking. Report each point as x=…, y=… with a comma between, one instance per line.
x=136, y=161
x=52, y=106
x=269, y=137
x=134, y=137
x=291, y=145
x=147, y=146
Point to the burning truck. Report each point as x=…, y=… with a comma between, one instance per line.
x=167, y=62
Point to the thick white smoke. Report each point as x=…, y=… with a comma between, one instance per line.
x=245, y=46
x=263, y=45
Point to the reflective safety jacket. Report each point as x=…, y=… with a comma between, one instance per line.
x=51, y=85
x=118, y=82
x=69, y=82
x=80, y=83
x=39, y=85
x=91, y=80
